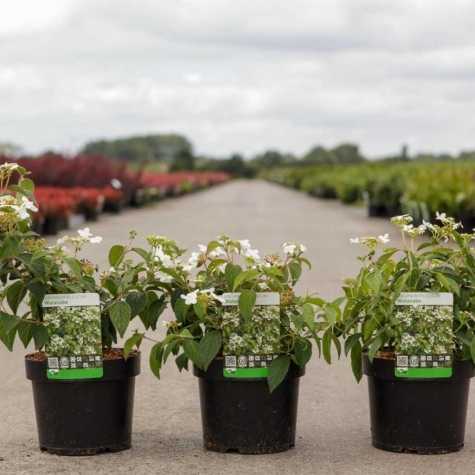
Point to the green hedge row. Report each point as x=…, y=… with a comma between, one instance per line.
x=420, y=188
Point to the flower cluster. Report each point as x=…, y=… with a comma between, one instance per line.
x=77, y=242
x=424, y=330
x=15, y=205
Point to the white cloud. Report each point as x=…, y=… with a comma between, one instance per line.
x=240, y=76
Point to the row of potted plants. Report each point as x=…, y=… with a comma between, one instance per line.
x=240, y=325
x=420, y=188
x=81, y=188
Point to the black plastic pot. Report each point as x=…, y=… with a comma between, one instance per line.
x=241, y=415
x=424, y=416
x=85, y=417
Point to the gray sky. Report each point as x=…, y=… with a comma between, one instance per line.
x=240, y=75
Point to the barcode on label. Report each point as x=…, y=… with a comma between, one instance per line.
x=402, y=361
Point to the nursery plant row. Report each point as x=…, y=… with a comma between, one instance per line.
x=419, y=188
x=72, y=190
x=406, y=321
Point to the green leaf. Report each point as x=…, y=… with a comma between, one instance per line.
x=247, y=300
x=374, y=281
x=303, y=352
x=309, y=316
x=27, y=185
x=15, y=294
x=332, y=313
x=133, y=342
x=25, y=332
x=326, y=346
x=182, y=362
x=277, y=371
x=192, y=351
x=8, y=328
x=180, y=308
x=216, y=263
x=200, y=310
x=375, y=346
x=137, y=302
x=116, y=254
x=356, y=362
x=350, y=341
x=152, y=313
x=74, y=265
x=155, y=359
x=209, y=347
x=369, y=327
x=9, y=247
x=295, y=271
x=40, y=336
x=244, y=276
x=120, y=314
x=448, y=283
x=231, y=272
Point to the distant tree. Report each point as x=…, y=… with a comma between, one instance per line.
x=347, y=153
x=235, y=165
x=342, y=154
x=272, y=158
x=158, y=147
x=184, y=160
x=319, y=156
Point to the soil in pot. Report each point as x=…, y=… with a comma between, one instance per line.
x=85, y=417
x=241, y=415
x=423, y=416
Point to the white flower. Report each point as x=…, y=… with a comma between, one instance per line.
x=384, y=238
x=163, y=277
x=85, y=233
x=8, y=167
x=27, y=204
x=161, y=257
x=22, y=212
x=210, y=293
x=87, y=236
x=289, y=249
x=355, y=240
x=115, y=183
x=219, y=251
x=191, y=298
x=407, y=228
x=192, y=261
x=245, y=244
x=442, y=217
x=202, y=248
x=427, y=225
x=252, y=254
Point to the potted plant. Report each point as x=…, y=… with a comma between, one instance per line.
x=74, y=416
x=248, y=337
x=407, y=310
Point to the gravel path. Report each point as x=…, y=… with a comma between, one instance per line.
x=333, y=425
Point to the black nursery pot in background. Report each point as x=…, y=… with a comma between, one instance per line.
x=85, y=417
x=241, y=415
x=424, y=416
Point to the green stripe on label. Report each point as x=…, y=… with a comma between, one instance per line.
x=423, y=373
x=246, y=373
x=72, y=374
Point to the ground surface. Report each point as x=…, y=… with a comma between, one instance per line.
x=333, y=424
